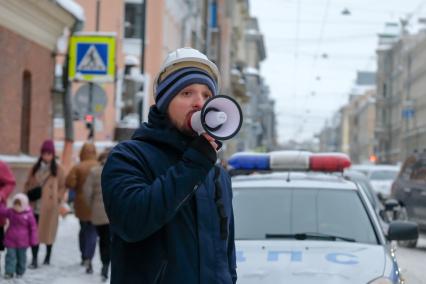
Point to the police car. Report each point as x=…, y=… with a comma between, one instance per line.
x=297, y=223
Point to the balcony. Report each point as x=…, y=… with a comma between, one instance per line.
x=238, y=85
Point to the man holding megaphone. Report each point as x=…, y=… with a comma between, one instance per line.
x=169, y=206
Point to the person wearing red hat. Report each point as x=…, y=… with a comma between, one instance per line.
x=45, y=187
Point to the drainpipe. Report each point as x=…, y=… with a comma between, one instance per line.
x=142, y=64
x=67, y=105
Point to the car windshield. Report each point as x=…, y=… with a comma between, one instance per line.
x=263, y=212
x=384, y=175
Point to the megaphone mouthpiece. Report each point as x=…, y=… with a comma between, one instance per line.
x=214, y=119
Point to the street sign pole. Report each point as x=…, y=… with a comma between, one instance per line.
x=91, y=136
x=92, y=60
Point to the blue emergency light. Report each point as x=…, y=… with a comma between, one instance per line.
x=249, y=161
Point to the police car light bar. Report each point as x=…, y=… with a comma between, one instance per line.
x=290, y=161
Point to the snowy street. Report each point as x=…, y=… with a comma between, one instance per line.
x=411, y=261
x=65, y=265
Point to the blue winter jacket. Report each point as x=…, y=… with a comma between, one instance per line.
x=159, y=194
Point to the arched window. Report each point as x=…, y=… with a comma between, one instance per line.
x=26, y=112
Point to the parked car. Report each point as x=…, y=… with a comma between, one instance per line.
x=381, y=177
x=409, y=189
x=363, y=168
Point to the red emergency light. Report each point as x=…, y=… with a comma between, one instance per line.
x=329, y=162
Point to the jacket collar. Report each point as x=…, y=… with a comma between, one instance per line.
x=159, y=129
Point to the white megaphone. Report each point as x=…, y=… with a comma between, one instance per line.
x=220, y=117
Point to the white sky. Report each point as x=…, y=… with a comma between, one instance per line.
x=307, y=87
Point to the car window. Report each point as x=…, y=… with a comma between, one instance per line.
x=262, y=211
x=419, y=169
x=369, y=191
x=383, y=175
x=414, y=168
x=407, y=167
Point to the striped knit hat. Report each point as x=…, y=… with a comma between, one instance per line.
x=171, y=85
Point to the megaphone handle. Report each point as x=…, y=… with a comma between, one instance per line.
x=219, y=144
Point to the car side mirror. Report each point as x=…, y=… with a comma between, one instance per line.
x=390, y=204
x=380, y=197
x=403, y=231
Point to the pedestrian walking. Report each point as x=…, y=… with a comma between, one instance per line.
x=169, y=206
x=76, y=178
x=45, y=187
x=93, y=194
x=7, y=185
x=21, y=234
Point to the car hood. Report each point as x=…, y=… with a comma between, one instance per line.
x=279, y=261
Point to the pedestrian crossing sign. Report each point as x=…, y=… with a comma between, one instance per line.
x=92, y=58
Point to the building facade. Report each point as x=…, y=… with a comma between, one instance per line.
x=222, y=29
x=351, y=130
x=362, y=121
x=401, y=102
x=29, y=31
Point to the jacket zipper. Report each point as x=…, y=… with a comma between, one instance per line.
x=160, y=275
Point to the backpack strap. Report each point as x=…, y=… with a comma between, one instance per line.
x=219, y=204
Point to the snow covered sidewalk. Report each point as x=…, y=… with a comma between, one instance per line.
x=65, y=265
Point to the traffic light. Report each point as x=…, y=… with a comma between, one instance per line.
x=89, y=119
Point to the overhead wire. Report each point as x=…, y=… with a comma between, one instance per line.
x=297, y=42
x=296, y=48
x=353, y=7
x=300, y=129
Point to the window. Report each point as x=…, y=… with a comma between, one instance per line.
x=58, y=107
x=407, y=167
x=213, y=14
x=133, y=20
x=419, y=169
x=57, y=93
x=384, y=90
x=26, y=112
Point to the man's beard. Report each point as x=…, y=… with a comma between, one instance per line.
x=184, y=129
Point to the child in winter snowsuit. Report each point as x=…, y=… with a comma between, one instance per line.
x=21, y=234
